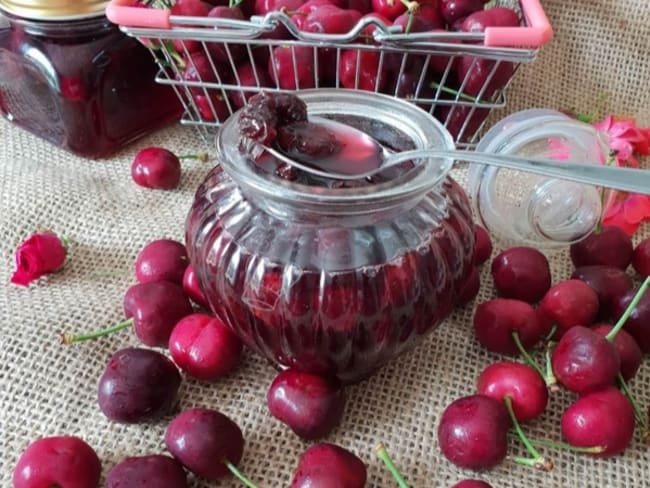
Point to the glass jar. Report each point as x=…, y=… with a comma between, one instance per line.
x=334, y=280
x=72, y=78
x=523, y=208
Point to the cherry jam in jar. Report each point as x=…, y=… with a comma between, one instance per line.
x=327, y=278
x=72, y=78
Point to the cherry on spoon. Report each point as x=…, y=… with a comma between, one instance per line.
x=624, y=179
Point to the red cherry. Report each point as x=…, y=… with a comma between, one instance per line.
x=473, y=432
x=189, y=8
x=327, y=465
x=192, y=288
x=522, y=273
x=452, y=10
x=584, y=361
x=638, y=323
x=472, y=484
x=203, y=441
x=628, y=350
x=161, y=260
x=65, y=461
x=390, y=9
x=289, y=76
x=155, y=167
x=369, y=76
x=602, y=418
x=496, y=320
x=204, y=347
x=609, y=283
x=520, y=382
x=570, y=303
x=311, y=405
x=156, y=307
x=641, y=257
x=609, y=247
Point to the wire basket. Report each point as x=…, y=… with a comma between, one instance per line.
x=215, y=64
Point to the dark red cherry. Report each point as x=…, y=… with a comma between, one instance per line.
x=522, y=273
x=608, y=247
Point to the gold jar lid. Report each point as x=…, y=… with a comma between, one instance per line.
x=54, y=9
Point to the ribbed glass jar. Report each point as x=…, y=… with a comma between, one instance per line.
x=334, y=280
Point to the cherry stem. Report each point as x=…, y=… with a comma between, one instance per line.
x=382, y=453
x=550, y=335
x=451, y=91
x=640, y=418
x=527, y=357
x=549, y=377
x=537, y=460
x=238, y=474
x=203, y=157
x=70, y=339
x=568, y=447
x=628, y=311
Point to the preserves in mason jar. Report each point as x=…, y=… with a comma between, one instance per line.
x=80, y=84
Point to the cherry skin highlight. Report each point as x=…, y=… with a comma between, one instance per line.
x=496, y=320
x=204, y=347
x=584, y=361
x=522, y=273
x=570, y=303
x=155, y=167
x=601, y=418
x=155, y=470
x=311, y=405
x=137, y=385
x=473, y=432
x=628, y=350
x=161, y=260
x=203, y=441
x=609, y=247
x=520, y=382
x=62, y=461
x=327, y=465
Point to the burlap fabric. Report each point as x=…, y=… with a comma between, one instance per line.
x=49, y=389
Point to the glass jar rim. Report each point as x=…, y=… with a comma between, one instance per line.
x=54, y=10
x=420, y=126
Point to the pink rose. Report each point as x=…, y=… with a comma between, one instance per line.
x=41, y=254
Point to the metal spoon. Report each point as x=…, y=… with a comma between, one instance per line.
x=624, y=179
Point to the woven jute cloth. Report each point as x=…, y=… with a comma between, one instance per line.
x=600, y=47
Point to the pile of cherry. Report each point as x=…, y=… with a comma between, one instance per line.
x=141, y=385
x=593, y=330
x=294, y=67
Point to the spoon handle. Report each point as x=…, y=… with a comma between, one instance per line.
x=624, y=179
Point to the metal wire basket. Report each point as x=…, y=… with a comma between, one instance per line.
x=215, y=64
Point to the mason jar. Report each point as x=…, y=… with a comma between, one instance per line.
x=334, y=279
x=72, y=78
x=529, y=209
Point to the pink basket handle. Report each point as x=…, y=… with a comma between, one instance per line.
x=122, y=12
x=537, y=33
